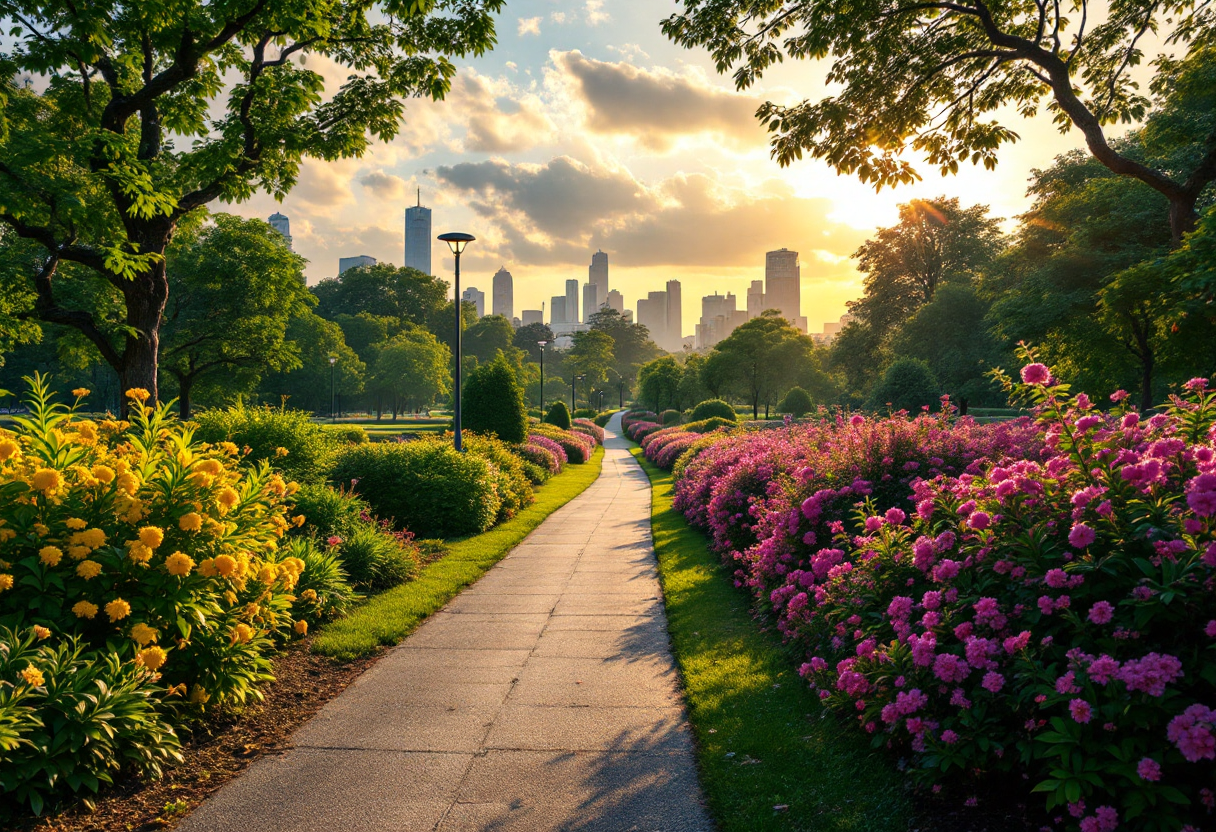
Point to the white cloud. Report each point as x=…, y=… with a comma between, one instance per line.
x=595, y=13
x=558, y=17
x=528, y=26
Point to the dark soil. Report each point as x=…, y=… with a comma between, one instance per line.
x=215, y=750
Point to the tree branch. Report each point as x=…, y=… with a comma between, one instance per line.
x=48, y=310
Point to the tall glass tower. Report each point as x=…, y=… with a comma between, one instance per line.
x=418, y=237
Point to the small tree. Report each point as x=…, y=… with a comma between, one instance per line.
x=908, y=384
x=797, y=403
x=559, y=415
x=411, y=368
x=494, y=402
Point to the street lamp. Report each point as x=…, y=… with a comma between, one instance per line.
x=573, y=381
x=542, y=345
x=333, y=374
x=456, y=242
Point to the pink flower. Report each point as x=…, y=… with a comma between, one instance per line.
x=1036, y=374
x=1080, y=710
x=1101, y=612
x=857, y=419
x=1081, y=536
x=1150, y=674
x=993, y=681
x=1015, y=643
x=949, y=737
x=979, y=520
x=1210, y=630
x=1102, y=669
x=950, y=668
x=1191, y=732
x=873, y=524
x=1196, y=384
x=895, y=516
x=334, y=540
x=1056, y=578
x=1118, y=396
x=1149, y=769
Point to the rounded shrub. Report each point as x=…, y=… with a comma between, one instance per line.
x=908, y=384
x=578, y=447
x=424, y=486
x=585, y=413
x=797, y=403
x=711, y=408
x=535, y=457
x=373, y=559
x=603, y=419
x=288, y=439
x=670, y=417
x=328, y=511
x=558, y=415
x=350, y=433
x=493, y=402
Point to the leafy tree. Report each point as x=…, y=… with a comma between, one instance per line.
x=908, y=384
x=631, y=344
x=487, y=337
x=308, y=386
x=493, y=402
x=17, y=298
x=365, y=332
x=765, y=355
x=155, y=109
x=858, y=355
x=713, y=409
x=234, y=288
x=929, y=75
x=412, y=368
x=797, y=402
x=659, y=382
x=386, y=290
x=526, y=338
x=591, y=357
x=692, y=387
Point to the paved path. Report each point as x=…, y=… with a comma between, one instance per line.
x=544, y=697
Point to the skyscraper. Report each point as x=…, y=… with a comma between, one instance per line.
x=533, y=316
x=346, y=263
x=504, y=294
x=557, y=310
x=418, y=237
x=782, y=289
x=476, y=297
x=597, y=273
x=652, y=314
x=281, y=224
x=571, y=301
x=675, y=323
x=616, y=301
x=755, y=298
x=591, y=301
x=719, y=318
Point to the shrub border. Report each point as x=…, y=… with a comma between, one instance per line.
x=770, y=757
x=387, y=618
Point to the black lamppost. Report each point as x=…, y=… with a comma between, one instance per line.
x=333, y=375
x=542, y=345
x=574, y=380
x=456, y=242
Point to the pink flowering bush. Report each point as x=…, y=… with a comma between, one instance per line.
x=590, y=428
x=1043, y=611
x=577, y=447
x=637, y=431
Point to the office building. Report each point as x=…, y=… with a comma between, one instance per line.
x=346, y=263
x=597, y=273
x=571, y=301
x=615, y=300
x=719, y=318
x=476, y=297
x=418, y=237
x=652, y=314
x=591, y=301
x=755, y=299
x=281, y=224
x=504, y=294
x=557, y=310
x=783, y=285
x=532, y=316
x=675, y=322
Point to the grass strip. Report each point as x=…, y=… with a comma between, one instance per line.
x=389, y=617
x=770, y=757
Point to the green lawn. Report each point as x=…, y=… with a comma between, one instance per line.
x=770, y=757
x=389, y=617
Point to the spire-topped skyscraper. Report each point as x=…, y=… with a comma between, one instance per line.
x=418, y=237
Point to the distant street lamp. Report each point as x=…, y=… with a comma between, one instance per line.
x=333, y=374
x=573, y=381
x=542, y=345
x=620, y=389
x=456, y=242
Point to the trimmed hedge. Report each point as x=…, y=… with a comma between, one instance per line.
x=670, y=417
x=711, y=408
x=797, y=403
x=558, y=416
x=494, y=402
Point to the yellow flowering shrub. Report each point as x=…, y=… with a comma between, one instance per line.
x=144, y=542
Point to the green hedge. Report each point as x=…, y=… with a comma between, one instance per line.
x=558, y=415
x=310, y=448
x=712, y=408
x=493, y=402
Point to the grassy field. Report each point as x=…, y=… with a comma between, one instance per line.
x=389, y=617
x=770, y=757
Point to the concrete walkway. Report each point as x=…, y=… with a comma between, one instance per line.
x=544, y=697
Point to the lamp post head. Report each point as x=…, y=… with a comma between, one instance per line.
x=333, y=360
x=456, y=240
x=542, y=344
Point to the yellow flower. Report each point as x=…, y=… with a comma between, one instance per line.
x=207, y=568
x=41, y=529
x=88, y=569
x=139, y=394
x=87, y=431
x=75, y=523
x=210, y=466
x=93, y=538
x=301, y=627
x=277, y=485
x=199, y=696
x=281, y=452
x=152, y=658
x=138, y=552
x=6, y=582
x=309, y=595
x=80, y=392
x=242, y=633
x=41, y=632
x=33, y=677
x=118, y=609
x=151, y=536
x=50, y=555
x=79, y=552
x=104, y=473
x=298, y=520
x=190, y=522
x=46, y=479
x=7, y=535
x=128, y=483
x=229, y=448
x=84, y=609
x=227, y=497
x=179, y=564
x=8, y=449
x=293, y=487
x=226, y=565
x=267, y=574
x=144, y=635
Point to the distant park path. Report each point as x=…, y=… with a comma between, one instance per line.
x=544, y=697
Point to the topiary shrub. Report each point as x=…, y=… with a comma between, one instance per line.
x=288, y=439
x=424, y=486
x=670, y=417
x=514, y=487
x=554, y=449
x=578, y=447
x=908, y=384
x=328, y=511
x=558, y=416
x=493, y=402
x=797, y=403
x=711, y=408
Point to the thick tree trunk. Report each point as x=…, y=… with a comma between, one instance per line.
x=1183, y=218
x=184, y=385
x=145, y=298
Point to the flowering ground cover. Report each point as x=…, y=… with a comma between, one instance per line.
x=1025, y=602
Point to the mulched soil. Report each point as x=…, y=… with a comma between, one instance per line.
x=216, y=750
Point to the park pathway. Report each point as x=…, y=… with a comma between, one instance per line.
x=544, y=697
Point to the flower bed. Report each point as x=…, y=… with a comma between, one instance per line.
x=1011, y=601
x=577, y=446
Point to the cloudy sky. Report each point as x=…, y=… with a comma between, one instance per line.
x=586, y=129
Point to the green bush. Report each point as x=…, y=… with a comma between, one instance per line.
x=908, y=384
x=711, y=408
x=708, y=425
x=535, y=473
x=424, y=486
x=797, y=403
x=514, y=488
x=375, y=559
x=585, y=413
x=670, y=417
x=328, y=511
x=309, y=447
x=324, y=591
x=350, y=433
x=493, y=402
x=558, y=415
x=603, y=419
